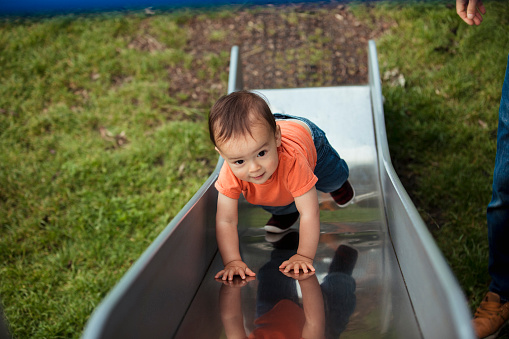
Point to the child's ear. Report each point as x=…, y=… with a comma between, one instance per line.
x=217, y=150
x=278, y=136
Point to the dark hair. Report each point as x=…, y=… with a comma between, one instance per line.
x=233, y=115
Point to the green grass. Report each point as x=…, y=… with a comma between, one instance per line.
x=79, y=206
x=98, y=154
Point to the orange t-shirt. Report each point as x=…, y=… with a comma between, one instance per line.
x=293, y=177
x=284, y=321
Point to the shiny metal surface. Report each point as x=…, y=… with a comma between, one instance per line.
x=345, y=115
x=378, y=271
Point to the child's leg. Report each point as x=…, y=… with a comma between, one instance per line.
x=274, y=286
x=338, y=289
x=332, y=173
x=283, y=217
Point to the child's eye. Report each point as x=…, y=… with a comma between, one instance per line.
x=262, y=153
x=239, y=162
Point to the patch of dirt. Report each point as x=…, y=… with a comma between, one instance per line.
x=281, y=47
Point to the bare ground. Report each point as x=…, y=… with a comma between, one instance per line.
x=281, y=47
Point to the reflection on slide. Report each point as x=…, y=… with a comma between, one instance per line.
x=322, y=311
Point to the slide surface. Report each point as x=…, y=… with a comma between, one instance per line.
x=378, y=272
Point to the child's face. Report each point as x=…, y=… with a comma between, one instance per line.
x=252, y=158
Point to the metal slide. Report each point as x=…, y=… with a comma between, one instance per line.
x=378, y=271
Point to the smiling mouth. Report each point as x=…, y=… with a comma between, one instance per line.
x=258, y=177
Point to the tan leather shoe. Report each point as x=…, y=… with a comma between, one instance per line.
x=490, y=316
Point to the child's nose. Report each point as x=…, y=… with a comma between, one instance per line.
x=255, y=166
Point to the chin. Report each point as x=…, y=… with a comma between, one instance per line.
x=259, y=181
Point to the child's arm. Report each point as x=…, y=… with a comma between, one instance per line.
x=309, y=233
x=228, y=239
x=231, y=311
x=312, y=302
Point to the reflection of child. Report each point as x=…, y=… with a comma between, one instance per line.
x=278, y=162
x=335, y=295
x=325, y=308
x=285, y=320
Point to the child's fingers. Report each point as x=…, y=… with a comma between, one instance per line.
x=290, y=266
x=296, y=267
x=311, y=268
x=227, y=276
x=219, y=274
x=236, y=271
x=302, y=266
x=230, y=273
x=249, y=272
x=284, y=264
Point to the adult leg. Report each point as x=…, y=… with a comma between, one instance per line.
x=498, y=209
x=493, y=312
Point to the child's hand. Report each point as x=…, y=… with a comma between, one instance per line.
x=236, y=267
x=297, y=262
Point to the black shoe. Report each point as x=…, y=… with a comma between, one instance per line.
x=344, y=260
x=281, y=223
x=344, y=195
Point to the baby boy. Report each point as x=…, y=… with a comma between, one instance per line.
x=277, y=162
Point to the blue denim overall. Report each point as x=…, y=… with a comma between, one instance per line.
x=331, y=170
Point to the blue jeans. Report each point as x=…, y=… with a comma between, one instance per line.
x=331, y=171
x=498, y=208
